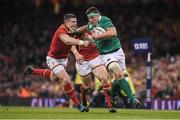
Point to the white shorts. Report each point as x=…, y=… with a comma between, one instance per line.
x=56, y=65
x=88, y=66
x=117, y=56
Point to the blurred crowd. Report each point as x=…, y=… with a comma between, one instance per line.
x=27, y=28
x=165, y=78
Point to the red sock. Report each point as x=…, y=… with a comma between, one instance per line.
x=42, y=72
x=83, y=95
x=69, y=90
x=106, y=88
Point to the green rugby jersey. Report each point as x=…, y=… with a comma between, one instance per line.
x=105, y=45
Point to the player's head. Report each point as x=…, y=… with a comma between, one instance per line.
x=70, y=20
x=93, y=15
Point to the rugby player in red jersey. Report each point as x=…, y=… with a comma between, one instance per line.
x=88, y=61
x=57, y=58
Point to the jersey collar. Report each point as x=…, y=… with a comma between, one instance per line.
x=99, y=19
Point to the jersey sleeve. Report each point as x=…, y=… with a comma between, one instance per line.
x=107, y=24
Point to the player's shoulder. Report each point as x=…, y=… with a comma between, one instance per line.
x=105, y=18
x=62, y=28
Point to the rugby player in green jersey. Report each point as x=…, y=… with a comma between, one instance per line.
x=105, y=37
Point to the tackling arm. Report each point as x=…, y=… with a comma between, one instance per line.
x=72, y=41
x=74, y=50
x=79, y=57
x=82, y=29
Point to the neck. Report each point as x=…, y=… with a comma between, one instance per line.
x=67, y=25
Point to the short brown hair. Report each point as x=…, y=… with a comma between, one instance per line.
x=68, y=16
x=92, y=10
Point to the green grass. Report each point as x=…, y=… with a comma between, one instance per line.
x=65, y=113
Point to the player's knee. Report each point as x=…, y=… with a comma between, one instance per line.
x=87, y=81
x=103, y=78
x=66, y=80
x=113, y=66
x=88, y=85
x=53, y=77
x=115, y=69
x=125, y=73
x=118, y=74
x=110, y=76
x=63, y=76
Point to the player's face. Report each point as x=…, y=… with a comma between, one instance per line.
x=93, y=19
x=72, y=23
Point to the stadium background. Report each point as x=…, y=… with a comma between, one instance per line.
x=26, y=28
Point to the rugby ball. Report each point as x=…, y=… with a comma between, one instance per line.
x=98, y=30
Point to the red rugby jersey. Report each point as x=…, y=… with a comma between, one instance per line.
x=58, y=49
x=89, y=52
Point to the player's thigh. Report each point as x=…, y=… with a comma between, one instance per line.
x=120, y=56
x=87, y=80
x=96, y=62
x=108, y=59
x=98, y=68
x=83, y=69
x=58, y=67
x=112, y=65
x=101, y=73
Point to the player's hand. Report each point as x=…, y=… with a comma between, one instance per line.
x=79, y=59
x=86, y=43
x=88, y=37
x=95, y=36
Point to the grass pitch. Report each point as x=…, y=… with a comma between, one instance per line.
x=24, y=113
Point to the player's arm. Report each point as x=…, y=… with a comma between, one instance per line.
x=72, y=41
x=74, y=50
x=82, y=29
x=88, y=37
x=111, y=31
x=79, y=31
x=79, y=57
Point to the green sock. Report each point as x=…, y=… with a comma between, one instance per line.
x=114, y=89
x=124, y=85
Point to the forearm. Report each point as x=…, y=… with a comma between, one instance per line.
x=74, y=50
x=79, y=31
x=105, y=35
x=108, y=34
x=82, y=29
x=73, y=41
x=70, y=40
